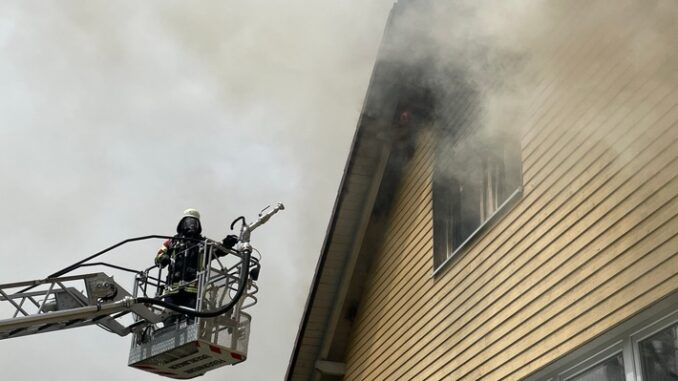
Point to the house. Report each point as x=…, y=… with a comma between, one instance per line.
x=509, y=208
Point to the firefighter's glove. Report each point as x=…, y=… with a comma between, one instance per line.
x=230, y=241
x=163, y=260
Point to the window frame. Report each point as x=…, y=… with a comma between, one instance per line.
x=590, y=362
x=644, y=333
x=488, y=223
x=514, y=190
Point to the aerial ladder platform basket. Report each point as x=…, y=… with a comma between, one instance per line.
x=167, y=339
x=188, y=346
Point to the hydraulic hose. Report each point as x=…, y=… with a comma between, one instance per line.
x=78, y=264
x=106, y=250
x=111, y=266
x=244, y=275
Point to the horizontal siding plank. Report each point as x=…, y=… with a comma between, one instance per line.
x=613, y=304
x=552, y=125
x=556, y=54
x=392, y=308
x=571, y=71
x=584, y=334
x=610, y=128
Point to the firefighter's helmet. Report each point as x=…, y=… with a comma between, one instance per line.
x=186, y=224
x=192, y=213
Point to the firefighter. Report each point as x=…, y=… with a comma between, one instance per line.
x=182, y=255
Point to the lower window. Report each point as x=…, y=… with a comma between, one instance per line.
x=658, y=355
x=644, y=353
x=610, y=369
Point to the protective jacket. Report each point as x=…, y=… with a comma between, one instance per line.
x=185, y=258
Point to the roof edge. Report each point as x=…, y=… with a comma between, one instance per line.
x=360, y=130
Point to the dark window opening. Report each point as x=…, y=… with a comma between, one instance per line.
x=474, y=179
x=659, y=355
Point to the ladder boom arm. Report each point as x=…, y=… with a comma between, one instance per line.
x=74, y=315
x=58, y=303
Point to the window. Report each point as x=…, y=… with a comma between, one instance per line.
x=610, y=369
x=476, y=178
x=658, y=355
x=638, y=352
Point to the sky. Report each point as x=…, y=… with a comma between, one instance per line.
x=117, y=116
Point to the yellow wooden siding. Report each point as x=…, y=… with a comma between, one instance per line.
x=592, y=241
